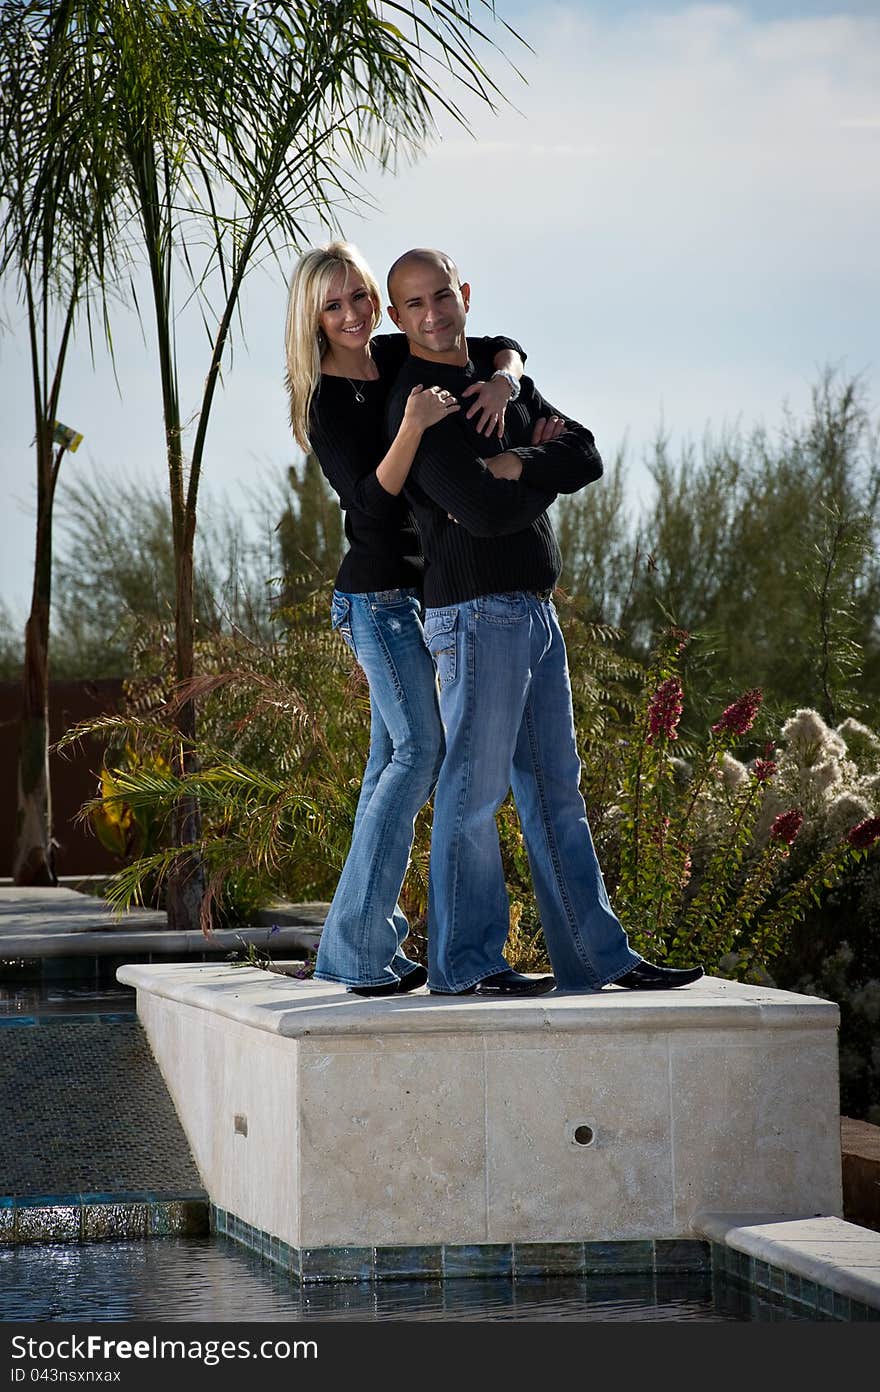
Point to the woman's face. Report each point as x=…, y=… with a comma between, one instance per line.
x=348, y=312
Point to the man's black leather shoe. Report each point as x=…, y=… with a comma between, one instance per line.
x=411, y=982
x=644, y=976
x=506, y=983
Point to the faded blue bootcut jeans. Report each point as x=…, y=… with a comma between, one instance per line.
x=362, y=939
x=505, y=699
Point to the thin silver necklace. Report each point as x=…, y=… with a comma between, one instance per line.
x=358, y=395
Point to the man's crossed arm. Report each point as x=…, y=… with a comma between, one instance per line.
x=450, y=472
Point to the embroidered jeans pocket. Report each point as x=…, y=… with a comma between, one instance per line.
x=340, y=617
x=440, y=626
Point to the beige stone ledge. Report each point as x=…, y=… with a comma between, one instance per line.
x=819, y=1247
x=293, y=1008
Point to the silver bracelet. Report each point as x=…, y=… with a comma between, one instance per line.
x=511, y=381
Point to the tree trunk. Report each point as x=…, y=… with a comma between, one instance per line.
x=33, y=859
x=186, y=882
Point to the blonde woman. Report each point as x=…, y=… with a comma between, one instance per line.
x=338, y=377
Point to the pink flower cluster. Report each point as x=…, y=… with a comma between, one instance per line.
x=664, y=710
x=739, y=718
x=764, y=769
x=787, y=825
x=864, y=834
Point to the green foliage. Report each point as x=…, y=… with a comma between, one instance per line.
x=705, y=868
x=276, y=770
x=767, y=547
x=310, y=532
x=115, y=576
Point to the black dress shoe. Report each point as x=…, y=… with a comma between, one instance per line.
x=411, y=982
x=506, y=983
x=646, y=977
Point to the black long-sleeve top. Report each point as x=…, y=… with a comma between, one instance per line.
x=348, y=438
x=501, y=538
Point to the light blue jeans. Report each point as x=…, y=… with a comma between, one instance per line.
x=505, y=699
x=362, y=939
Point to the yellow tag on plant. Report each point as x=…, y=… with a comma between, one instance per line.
x=65, y=435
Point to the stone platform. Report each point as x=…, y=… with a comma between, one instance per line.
x=331, y=1122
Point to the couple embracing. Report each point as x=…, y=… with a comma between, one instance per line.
x=445, y=458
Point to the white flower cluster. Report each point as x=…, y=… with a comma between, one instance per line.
x=831, y=775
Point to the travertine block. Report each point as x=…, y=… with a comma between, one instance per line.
x=334, y=1121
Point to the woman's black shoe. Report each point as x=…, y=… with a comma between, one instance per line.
x=503, y=984
x=411, y=982
x=644, y=976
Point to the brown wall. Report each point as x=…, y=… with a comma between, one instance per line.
x=74, y=774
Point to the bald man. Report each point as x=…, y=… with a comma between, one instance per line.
x=492, y=562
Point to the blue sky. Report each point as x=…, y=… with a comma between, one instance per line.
x=678, y=220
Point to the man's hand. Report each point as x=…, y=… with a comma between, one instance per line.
x=504, y=466
x=490, y=403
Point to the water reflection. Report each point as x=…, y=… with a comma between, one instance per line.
x=213, y=1279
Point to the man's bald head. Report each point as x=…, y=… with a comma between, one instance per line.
x=422, y=256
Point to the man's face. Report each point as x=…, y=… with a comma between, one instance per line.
x=431, y=309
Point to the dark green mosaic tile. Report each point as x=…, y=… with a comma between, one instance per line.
x=825, y=1300
x=481, y=1259
x=57, y=1224
x=872, y=1313
x=186, y=1218
x=46, y=1201
x=251, y=1237
x=809, y=1293
x=113, y=1222
x=777, y=1280
x=858, y=1312
x=761, y=1274
x=282, y=1255
x=219, y=1219
x=336, y=1263
x=618, y=1256
x=680, y=1255
x=7, y=1224
x=548, y=1258
x=841, y=1306
x=407, y=1263
x=792, y=1286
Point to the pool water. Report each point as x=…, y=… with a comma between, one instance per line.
x=211, y=1279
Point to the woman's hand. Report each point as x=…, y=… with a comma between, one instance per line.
x=490, y=403
x=547, y=428
x=427, y=406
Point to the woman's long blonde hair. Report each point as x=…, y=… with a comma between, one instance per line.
x=304, y=340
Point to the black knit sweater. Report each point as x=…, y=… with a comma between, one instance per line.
x=348, y=438
x=501, y=538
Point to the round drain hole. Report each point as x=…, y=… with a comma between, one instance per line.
x=584, y=1135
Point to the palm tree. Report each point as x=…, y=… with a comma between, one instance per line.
x=233, y=124
x=57, y=239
